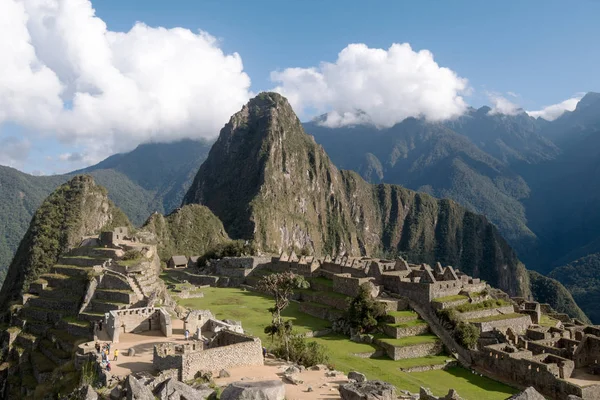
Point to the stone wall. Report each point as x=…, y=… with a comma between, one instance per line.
x=399, y=332
x=416, y=351
x=338, y=302
x=525, y=372
x=190, y=358
x=320, y=311
x=137, y=320
x=486, y=313
x=439, y=305
x=348, y=285
x=518, y=325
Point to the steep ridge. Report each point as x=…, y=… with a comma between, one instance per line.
x=190, y=230
x=77, y=208
x=270, y=182
x=434, y=159
x=153, y=177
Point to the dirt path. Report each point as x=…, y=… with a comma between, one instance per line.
x=324, y=388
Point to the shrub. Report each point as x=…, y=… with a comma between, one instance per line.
x=235, y=248
x=303, y=352
x=365, y=313
x=132, y=254
x=466, y=334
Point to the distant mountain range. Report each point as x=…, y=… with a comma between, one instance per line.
x=534, y=179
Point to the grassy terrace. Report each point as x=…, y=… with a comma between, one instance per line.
x=500, y=317
x=251, y=309
x=322, y=281
x=408, y=324
x=409, y=340
x=484, y=305
x=548, y=321
x=408, y=313
x=447, y=299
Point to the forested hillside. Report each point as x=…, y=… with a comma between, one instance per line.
x=153, y=177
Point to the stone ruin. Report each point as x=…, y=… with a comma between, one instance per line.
x=226, y=349
x=137, y=320
x=202, y=324
x=559, y=361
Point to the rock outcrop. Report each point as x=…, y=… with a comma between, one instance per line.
x=369, y=390
x=270, y=182
x=528, y=394
x=263, y=390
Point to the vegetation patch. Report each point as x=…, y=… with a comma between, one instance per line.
x=448, y=299
x=484, y=305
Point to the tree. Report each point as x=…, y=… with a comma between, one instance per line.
x=281, y=286
x=365, y=313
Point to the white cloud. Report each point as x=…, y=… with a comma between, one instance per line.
x=64, y=73
x=14, y=151
x=386, y=85
x=501, y=105
x=550, y=113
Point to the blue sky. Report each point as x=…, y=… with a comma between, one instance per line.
x=535, y=53
x=545, y=50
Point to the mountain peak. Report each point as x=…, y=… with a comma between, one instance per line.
x=590, y=99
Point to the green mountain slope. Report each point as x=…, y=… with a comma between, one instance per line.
x=551, y=291
x=75, y=209
x=190, y=230
x=153, y=177
x=270, y=182
x=434, y=159
x=582, y=278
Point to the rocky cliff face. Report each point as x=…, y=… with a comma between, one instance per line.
x=268, y=181
x=74, y=210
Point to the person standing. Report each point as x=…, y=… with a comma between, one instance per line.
x=187, y=334
x=116, y=355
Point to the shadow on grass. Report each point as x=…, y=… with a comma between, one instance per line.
x=481, y=381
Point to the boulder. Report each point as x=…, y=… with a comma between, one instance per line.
x=369, y=390
x=357, y=376
x=224, y=373
x=528, y=394
x=261, y=390
x=131, y=352
x=292, y=370
x=136, y=390
x=88, y=393
x=116, y=393
x=173, y=389
x=293, y=379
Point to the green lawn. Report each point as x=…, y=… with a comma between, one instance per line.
x=408, y=324
x=322, y=281
x=450, y=298
x=408, y=313
x=409, y=340
x=251, y=309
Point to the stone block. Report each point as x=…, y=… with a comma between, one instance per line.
x=262, y=390
x=357, y=376
x=369, y=390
